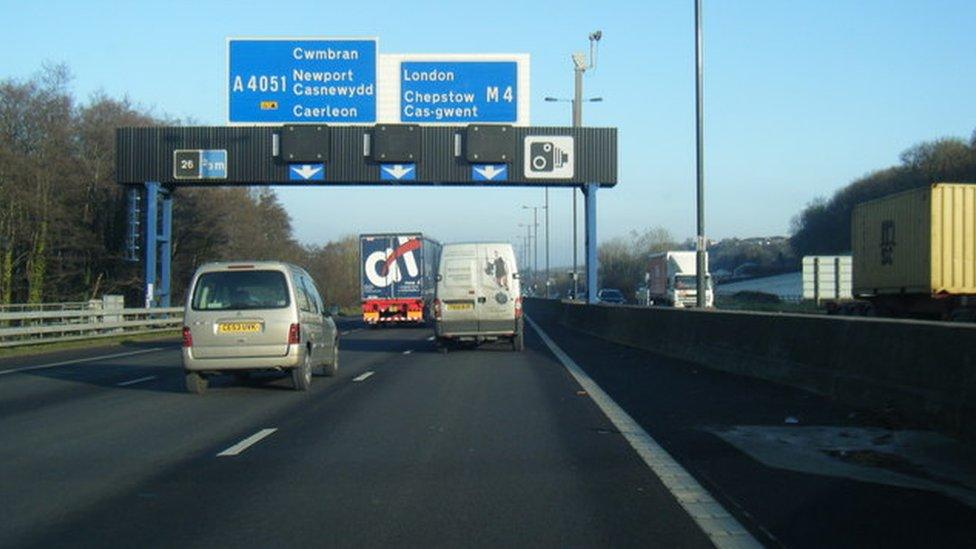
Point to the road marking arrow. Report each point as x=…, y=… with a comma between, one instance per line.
x=306, y=170
x=398, y=170
x=489, y=172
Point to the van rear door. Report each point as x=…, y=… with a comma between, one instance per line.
x=241, y=313
x=457, y=292
x=497, y=288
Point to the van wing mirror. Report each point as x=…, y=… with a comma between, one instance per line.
x=439, y=277
x=516, y=276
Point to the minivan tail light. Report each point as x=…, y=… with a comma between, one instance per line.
x=187, y=337
x=518, y=307
x=294, y=334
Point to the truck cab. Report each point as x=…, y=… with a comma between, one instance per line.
x=683, y=291
x=671, y=280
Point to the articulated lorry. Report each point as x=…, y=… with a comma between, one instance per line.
x=672, y=280
x=915, y=254
x=397, y=274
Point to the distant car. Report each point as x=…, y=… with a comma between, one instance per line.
x=610, y=295
x=262, y=315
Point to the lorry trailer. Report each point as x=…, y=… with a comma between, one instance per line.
x=914, y=252
x=397, y=276
x=671, y=280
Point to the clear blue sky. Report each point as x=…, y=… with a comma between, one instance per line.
x=801, y=97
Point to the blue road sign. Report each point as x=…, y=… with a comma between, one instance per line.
x=213, y=164
x=458, y=91
x=306, y=172
x=489, y=172
x=296, y=81
x=398, y=172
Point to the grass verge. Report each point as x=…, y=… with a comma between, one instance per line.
x=40, y=348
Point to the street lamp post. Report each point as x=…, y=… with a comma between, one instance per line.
x=579, y=67
x=528, y=244
x=535, y=225
x=700, y=243
x=547, y=242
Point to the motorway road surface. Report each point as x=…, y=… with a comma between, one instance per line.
x=411, y=447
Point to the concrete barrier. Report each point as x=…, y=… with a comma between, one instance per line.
x=924, y=370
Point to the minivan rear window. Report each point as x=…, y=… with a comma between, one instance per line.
x=240, y=290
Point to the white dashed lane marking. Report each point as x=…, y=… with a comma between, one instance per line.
x=247, y=443
x=134, y=381
x=79, y=361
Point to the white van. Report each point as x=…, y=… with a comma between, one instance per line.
x=261, y=315
x=478, y=297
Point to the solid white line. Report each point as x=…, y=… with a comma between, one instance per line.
x=134, y=381
x=79, y=361
x=723, y=529
x=431, y=338
x=246, y=443
x=407, y=352
x=362, y=377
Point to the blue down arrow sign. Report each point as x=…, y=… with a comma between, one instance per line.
x=398, y=172
x=489, y=172
x=306, y=172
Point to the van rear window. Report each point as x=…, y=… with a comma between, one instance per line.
x=240, y=290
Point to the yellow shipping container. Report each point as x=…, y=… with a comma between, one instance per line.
x=921, y=241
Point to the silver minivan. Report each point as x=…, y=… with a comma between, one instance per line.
x=256, y=315
x=478, y=296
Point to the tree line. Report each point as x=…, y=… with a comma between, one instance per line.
x=62, y=215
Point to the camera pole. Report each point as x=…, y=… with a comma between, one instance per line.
x=580, y=66
x=577, y=122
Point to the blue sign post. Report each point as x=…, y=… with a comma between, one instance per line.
x=301, y=81
x=459, y=91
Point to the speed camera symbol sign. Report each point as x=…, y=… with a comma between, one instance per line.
x=549, y=157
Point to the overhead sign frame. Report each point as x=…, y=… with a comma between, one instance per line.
x=254, y=156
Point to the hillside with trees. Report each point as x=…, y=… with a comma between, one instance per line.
x=824, y=226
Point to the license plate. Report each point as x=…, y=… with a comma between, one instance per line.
x=238, y=327
x=459, y=306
